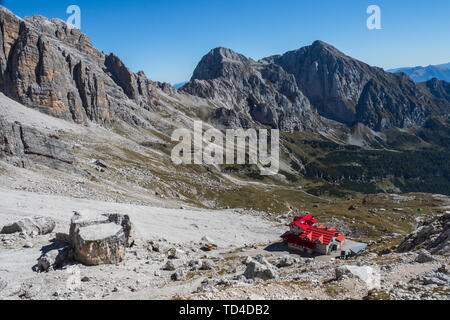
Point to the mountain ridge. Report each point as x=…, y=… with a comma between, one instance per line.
x=339, y=87
x=343, y=123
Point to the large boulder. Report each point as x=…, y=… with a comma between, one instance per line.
x=100, y=244
x=424, y=257
x=100, y=239
x=368, y=275
x=31, y=226
x=259, y=268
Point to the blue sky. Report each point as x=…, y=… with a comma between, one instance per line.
x=167, y=38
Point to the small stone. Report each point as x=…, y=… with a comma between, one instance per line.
x=54, y=259
x=179, y=275
x=170, y=266
x=207, y=265
x=424, y=257
x=28, y=245
x=286, y=261
x=101, y=164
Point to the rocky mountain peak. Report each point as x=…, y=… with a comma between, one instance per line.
x=320, y=47
x=220, y=62
x=439, y=88
x=260, y=91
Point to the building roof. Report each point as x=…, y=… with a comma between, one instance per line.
x=303, y=222
x=311, y=234
x=295, y=240
x=320, y=235
x=358, y=249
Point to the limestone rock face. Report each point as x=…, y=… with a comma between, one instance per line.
x=122, y=75
x=48, y=65
x=100, y=239
x=40, y=70
x=31, y=226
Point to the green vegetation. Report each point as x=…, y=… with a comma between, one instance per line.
x=420, y=165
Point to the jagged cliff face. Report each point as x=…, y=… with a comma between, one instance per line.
x=317, y=77
x=48, y=65
x=251, y=91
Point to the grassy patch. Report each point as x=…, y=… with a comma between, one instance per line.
x=378, y=295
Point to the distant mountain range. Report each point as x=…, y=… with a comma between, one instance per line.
x=179, y=85
x=421, y=74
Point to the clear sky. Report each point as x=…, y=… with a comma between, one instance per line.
x=167, y=38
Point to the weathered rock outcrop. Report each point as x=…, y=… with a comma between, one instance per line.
x=259, y=268
x=433, y=236
x=20, y=145
x=368, y=275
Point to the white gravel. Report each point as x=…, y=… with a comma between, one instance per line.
x=226, y=227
